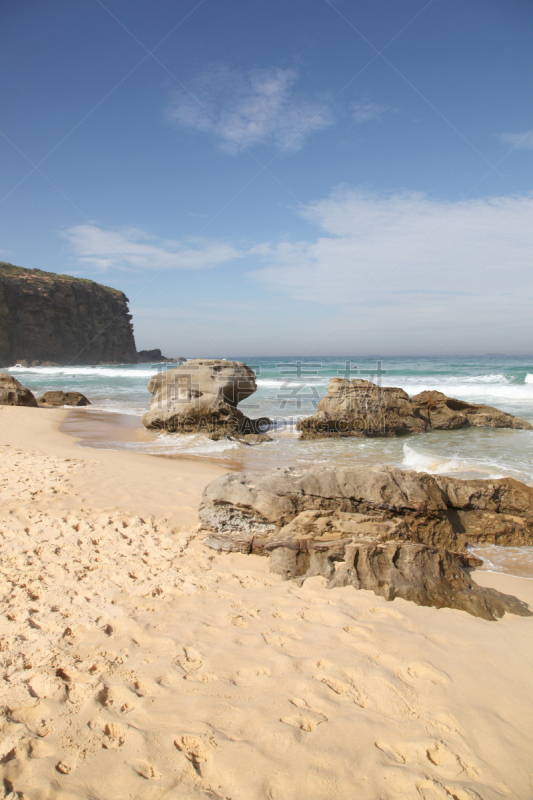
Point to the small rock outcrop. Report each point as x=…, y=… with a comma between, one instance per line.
x=202, y=395
x=364, y=409
x=60, y=398
x=13, y=393
x=153, y=357
x=401, y=534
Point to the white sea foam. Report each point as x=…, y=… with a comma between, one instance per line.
x=443, y=465
x=88, y=372
x=529, y=377
x=482, y=392
x=292, y=380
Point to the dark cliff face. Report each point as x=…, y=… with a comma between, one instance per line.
x=48, y=317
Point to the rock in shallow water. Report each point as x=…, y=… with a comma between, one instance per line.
x=60, y=398
x=364, y=409
x=202, y=395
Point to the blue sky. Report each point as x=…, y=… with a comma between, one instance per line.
x=281, y=177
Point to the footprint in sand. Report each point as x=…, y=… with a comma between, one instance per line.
x=347, y=689
x=389, y=751
x=428, y=672
x=239, y=621
x=308, y=719
x=301, y=722
x=147, y=770
x=195, y=749
x=271, y=637
x=114, y=736
x=433, y=790
x=441, y=756
x=357, y=630
x=386, y=612
x=191, y=663
x=249, y=676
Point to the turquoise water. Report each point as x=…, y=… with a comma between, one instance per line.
x=289, y=388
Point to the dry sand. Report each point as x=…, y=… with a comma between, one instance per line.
x=136, y=663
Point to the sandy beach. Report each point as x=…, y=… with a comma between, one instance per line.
x=137, y=663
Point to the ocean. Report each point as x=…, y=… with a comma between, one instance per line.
x=290, y=388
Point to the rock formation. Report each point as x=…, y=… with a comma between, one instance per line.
x=13, y=393
x=60, y=319
x=401, y=534
x=202, y=395
x=153, y=357
x=446, y=413
x=60, y=398
x=361, y=408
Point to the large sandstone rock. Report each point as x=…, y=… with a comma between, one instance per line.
x=412, y=528
x=438, y=511
x=361, y=408
x=201, y=395
x=13, y=393
x=446, y=413
x=60, y=398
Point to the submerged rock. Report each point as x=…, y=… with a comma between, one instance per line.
x=243, y=438
x=412, y=528
x=13, y=393
x=364, y=409
x=60, y=398
x=202, y=395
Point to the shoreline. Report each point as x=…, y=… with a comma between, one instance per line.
x=137, y=663
x=96, y=429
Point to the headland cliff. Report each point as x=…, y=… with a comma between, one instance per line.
x=45, y=317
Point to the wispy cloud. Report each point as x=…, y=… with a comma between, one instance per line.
x=368, y=111
x=398, y=244
x=520, y=141
x=126, y=247
x=245, y=108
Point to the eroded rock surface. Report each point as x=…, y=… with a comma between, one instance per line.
x=13, y=393
x=425, y=575
x=202, y=395
x=443, y=512
x=364, y=409
x=315, y=517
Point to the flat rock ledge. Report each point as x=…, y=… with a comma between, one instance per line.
x=399, y=534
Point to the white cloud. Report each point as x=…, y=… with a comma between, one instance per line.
x=243, y=109
x=520, y=141
x=127, y=247
x=393, y=250
x=368, y=111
